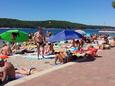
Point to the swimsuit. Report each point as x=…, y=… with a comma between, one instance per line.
x=40, y=43
x=9, y=78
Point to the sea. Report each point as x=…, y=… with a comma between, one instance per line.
x=55, y=30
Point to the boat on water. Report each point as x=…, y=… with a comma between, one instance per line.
x=106, y=31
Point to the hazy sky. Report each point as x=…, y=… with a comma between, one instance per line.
x=95, y=12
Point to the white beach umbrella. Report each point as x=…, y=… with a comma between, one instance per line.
x=81, y=32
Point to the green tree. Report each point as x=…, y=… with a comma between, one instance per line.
x=15, y=23
x=113, y=4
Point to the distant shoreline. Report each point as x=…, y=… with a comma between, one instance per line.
x=102, y=30
x=15, y=23
x=106, y=31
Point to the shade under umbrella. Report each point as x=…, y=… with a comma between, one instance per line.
x=20, y=36
x=65, y=35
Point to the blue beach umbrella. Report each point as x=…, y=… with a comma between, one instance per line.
x=65, y=35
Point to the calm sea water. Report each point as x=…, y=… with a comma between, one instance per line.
x=54, y=31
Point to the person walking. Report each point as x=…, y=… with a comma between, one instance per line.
x=39, y=39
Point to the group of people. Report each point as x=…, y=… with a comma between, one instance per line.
x=7, y=71
x=76, y=51
x=85, y=47
x=38, y=38
x=43, y=47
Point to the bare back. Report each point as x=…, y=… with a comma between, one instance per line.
x=9, y=69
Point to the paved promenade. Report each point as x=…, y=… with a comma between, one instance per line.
x=100, y=72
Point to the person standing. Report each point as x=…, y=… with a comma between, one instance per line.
x=39, y=39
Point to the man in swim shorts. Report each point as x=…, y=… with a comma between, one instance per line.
x=39, y=41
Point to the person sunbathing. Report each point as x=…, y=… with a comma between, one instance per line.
x=22, y=72
x=112, y=42
x=49, y=50
x=8, y=71
x=63, y=57
x=58, y=57
x=6, y=50
x=26, y=71
x=91, y=51
x=79, y=52
x=22, y=50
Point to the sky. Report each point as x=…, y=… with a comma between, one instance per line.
x=90, y=12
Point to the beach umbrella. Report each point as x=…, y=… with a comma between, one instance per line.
x=20, y=36
x=65, y=35
x=81, y=32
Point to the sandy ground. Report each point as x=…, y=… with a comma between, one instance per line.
x=40, y=65
x=100, y=72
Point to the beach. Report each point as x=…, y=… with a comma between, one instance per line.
x=95, y=73
x=57, y=43
x=78, y=50
x=40, y=65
